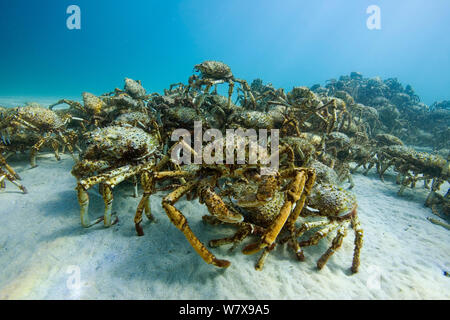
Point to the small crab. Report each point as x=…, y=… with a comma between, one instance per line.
x=303, y=148
x=338, y=144
x=413, y=166
x=92, y=110
x=338, y=208
x=213, y=73
x=100, y=110
x=364, y=154
x=42, y=125
x=319, y=114
x=135, y=89
x=262, y=93
x=137, y=119
x=385, y=139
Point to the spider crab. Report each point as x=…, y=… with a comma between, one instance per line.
x=116, y=153
x=99, y=110
x=268, y=204
x=288, y=188
x=338, y=209
x=413, y=166
x=213, y=73
x=41, y=123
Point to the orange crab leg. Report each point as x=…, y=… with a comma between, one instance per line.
x=217, y=207
x=11, y=178
x=35, y=149
x=8, y=167
x=301, y=202
x=292, y=195
x=179, y=220
x=358, y=243
x=147, y=182
x=336, y=244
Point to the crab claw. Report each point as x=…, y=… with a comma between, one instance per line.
x=253, y=248
x=221, y=263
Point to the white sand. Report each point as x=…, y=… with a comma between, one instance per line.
x=41, y=241
x=11, y=102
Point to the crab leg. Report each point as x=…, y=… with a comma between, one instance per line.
x=108, y=199
x=55, y=146
x=8, y=167
x=108, y=181
x=18, y=121
x=11, y=178
x=244, y=230
x=83, y=200
x=135, y=189
x=303, y=228
x=230, y=92
x=319, y=235
x=247, y=88
x=384, y=168
x=336, y=244
x=35, y=149
x=217, y=207
x=67, y=144
x=292, y=195
x=179, y=220
x=147, y=183
x=330, y=126
x=301, y=202
x=171, y=174
x=260, y=263
x=73, y=104
x=358, y=243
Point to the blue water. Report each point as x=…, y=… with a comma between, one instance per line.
x=286, y=43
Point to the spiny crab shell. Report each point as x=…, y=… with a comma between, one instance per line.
x=183, y=116
x=214, y=70
x=44, y=119
x=303, y=95
x=260, y=213
x=134, y=118
x=338, y=138
x=385, y=139
x=251, y=119
x=134, y=88
x=331, y=200
x=120, y=142
x=92, y=103
x=427, y=162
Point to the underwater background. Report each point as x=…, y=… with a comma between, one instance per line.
x=287, y=43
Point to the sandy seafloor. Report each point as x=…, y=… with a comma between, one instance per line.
x=16, y=101
x=42, y=243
